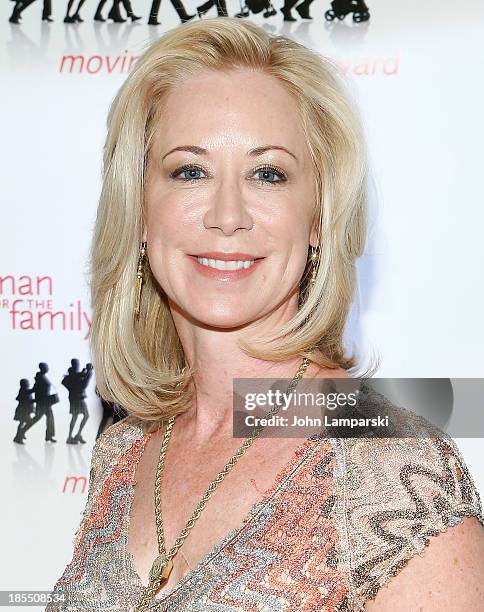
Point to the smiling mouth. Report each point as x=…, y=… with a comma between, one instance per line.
x=220, y=264
x=224, y=267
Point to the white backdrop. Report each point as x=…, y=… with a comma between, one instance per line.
x=416, y=71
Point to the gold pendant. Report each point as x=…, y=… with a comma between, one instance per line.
x=161, y=569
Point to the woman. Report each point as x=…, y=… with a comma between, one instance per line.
x=228, y=144
x=76, y=17
x=25, y=409
x=177, y=5
x=206, y=6
x=115, y=11
x=21, y=5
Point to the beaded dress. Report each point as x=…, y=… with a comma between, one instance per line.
x=342, y=517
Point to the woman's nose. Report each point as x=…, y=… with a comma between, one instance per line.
x=228, y=209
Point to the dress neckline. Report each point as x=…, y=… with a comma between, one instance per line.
x=298, y=457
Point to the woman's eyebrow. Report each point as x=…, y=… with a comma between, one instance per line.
x=260, y=150
x=189, y=148
x=253, y=152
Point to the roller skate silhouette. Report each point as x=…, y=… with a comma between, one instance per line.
x=341, y=8
x=256, y=6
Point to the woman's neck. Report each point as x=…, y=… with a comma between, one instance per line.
x=211, y=415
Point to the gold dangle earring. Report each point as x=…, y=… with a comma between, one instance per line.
x=139, y=277
x=314, y=260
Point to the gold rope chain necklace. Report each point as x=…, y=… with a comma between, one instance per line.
x=163, y=564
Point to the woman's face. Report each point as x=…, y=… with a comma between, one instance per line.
x=229, y=177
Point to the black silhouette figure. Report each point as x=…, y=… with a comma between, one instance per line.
x=21, y=5
x=115, y=12
x=206, y=6
x=302, y=8
x=256, y=6
x=341, y=8
x=76, y=382
x=112, y=413
x=24, y=410
x=75, y=17
x=177, y=5
x=45, y=398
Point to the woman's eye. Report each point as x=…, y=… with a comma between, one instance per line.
x=188, y=173
x=270, y=175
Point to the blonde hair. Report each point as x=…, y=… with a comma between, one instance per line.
x=138, y=363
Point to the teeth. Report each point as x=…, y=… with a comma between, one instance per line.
x=225, y=265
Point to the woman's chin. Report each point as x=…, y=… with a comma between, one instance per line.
x=215, y=316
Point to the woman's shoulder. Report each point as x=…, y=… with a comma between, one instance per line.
x=398, y=493
x=114, y=441
x=411, y=460
x=111, y=444
x=430, y=469
x=114, y=435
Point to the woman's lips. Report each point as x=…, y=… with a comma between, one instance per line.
x=224, y=275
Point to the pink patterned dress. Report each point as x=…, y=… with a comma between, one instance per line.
x=342, y=517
